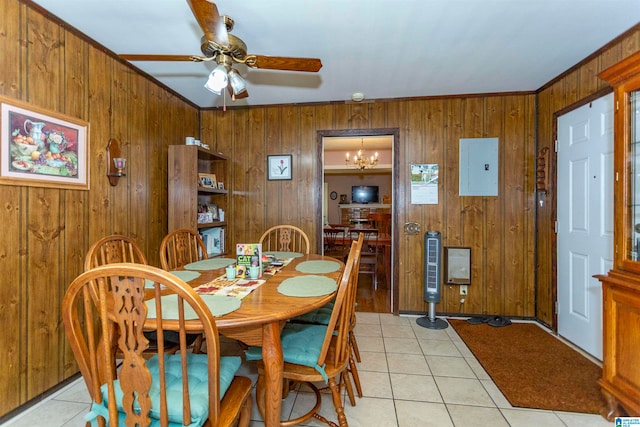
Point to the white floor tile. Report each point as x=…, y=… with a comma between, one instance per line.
x=376, y=384
x=463, y=391
x=410, y=375
x=415, y=387
x=373, y=361
x=446, y=366
x=572, y=419
x=439, y=348
x=398, y=331
x=423, y=414
x=408, y=364
x=368, y=330
x=402, y=345
x=470, y=416
x=49, y=413
x=370, y=344
x=370, y=412
x=531, y=418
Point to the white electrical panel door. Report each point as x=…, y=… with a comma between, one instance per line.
x=478, y=166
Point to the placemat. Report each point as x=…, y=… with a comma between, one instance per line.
x=185, y=274
x=218, y=304
x=284, y=255
x=238, y=288
x=182, y=274
x=209, y=264
x=307, y=286
x=318, y=267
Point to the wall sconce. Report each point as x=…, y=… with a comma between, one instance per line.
x=115, y=162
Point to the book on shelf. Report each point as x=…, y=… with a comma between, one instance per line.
x=247, y=255
x=213, y=239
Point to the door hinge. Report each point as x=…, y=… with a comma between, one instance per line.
x=555, y=146
x=555, y=227
x=556, y=307
x=616, y=176
x=617, y=105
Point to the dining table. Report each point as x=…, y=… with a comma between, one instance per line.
x=259, y=317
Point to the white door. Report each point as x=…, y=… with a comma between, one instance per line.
x=585, y=220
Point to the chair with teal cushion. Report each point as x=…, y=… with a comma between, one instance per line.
x=181, y=389
x=318, y=353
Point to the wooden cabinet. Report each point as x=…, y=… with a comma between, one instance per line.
x=621, y=286
x=194, y=205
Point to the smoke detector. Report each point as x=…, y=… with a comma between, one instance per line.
x=357, y=96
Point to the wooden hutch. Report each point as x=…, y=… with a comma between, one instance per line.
x=621, y=286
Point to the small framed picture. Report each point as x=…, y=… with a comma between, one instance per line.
x=220, y=185
x=279, y=167
x=213, y=209
x=207, y=180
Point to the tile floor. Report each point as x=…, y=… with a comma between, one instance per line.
x=411, y=376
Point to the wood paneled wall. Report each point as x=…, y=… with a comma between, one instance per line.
x=48, y=231
x=500, y=230
x=572, y=89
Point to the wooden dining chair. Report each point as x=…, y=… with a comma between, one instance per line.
x=181, y=388
x=177, y=249
x=181, y=247
x=112, y=249
x=117, y=248
x=316, y=353
x=322, y=316
x=334, y=242
x=285, y=238
x=369, y=256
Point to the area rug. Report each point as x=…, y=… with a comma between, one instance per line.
x=532, y=368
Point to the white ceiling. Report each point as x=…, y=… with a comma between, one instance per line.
x=382, y=48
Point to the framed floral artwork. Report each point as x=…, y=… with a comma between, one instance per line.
x=42, y=148
x=279, y=167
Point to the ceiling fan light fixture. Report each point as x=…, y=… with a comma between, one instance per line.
x=218, y=79
x=238, y=84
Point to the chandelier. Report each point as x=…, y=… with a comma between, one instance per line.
x=360, y=161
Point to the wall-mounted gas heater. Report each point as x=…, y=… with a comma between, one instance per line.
x=432, y=263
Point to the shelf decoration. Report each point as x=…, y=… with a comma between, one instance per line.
x=542, y=170
x=115, y=162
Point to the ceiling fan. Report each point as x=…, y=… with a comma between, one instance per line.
x=219, y=45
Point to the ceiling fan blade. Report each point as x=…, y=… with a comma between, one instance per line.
x=311, y=65
x=135, y=57
x=206, y=13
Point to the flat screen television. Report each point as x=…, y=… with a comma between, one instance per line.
x=364, y=194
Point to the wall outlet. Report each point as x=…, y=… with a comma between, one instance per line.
x=463, y=289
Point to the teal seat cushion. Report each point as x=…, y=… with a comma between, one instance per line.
x=320, y=316
x=301, y=344
x=197, y=368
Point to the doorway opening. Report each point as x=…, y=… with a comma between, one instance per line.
x=358, y=200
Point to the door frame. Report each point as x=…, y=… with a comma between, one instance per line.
x=554, y=201
x=395, y=133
